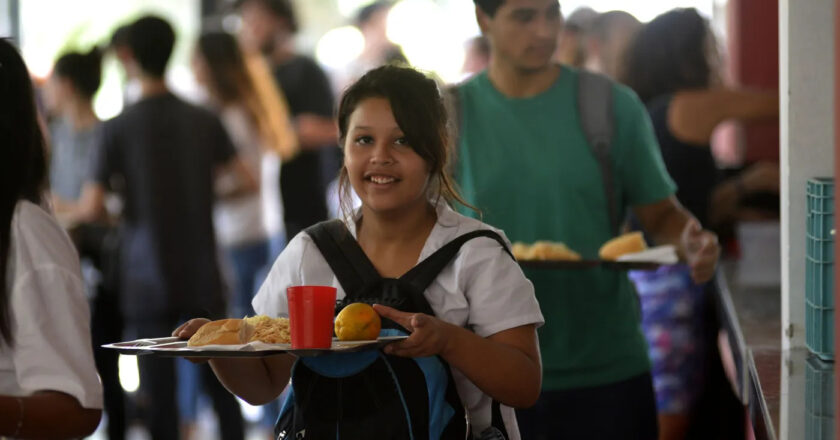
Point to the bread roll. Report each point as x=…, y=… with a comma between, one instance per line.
x=623, y=245
x=222, y=332
x=544, y=250
x=553, y=251
x=521, y=251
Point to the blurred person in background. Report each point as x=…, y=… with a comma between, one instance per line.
x=673, y=65
x=476, y=56
x=606, y=41
x=48, y=382
x=525, y=161
x=571, y=39
x=73, y=134
x=166, y=153
x=120, y=49
x=371, y=21
x=269, y=27
x=242, y=227
x=245, y=226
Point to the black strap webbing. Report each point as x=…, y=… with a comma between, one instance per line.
x=344, y=255
x=422, y=275
x=596, y=119
x=354, y=270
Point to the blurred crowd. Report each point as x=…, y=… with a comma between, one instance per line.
x=178, y=210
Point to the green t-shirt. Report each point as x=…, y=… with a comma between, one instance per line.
x=526, y=164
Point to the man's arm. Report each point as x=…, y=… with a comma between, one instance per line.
x=669, y=223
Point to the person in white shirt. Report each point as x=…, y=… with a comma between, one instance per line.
x=249, y=227
x=49, y=387
x=393, y=130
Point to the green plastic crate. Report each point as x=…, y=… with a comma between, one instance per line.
x=819, y=268
x=819, y=399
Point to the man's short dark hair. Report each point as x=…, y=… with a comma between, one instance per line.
x=489, y=6
x=280, y=8
x=151, y=40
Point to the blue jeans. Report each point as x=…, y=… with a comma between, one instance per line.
x=248, y=262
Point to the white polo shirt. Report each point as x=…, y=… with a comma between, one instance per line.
x=49, y=313
x=483, y=290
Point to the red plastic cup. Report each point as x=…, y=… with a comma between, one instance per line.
x=311, y=314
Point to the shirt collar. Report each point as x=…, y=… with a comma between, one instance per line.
x=445, y=229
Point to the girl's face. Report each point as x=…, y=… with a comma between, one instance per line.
x=386, y=173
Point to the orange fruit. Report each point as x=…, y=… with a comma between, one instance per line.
x=357, y=322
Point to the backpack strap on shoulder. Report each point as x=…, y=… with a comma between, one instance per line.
x=421, y=275
x=344, y=256
x=595, y=108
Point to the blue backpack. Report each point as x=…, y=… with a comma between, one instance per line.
x=371, y=395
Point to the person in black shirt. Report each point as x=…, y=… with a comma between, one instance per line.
x=161, y=154
x=269, y=26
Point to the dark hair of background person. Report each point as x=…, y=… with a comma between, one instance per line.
x=120, y=37
x=23, y=165
x=676, y=51
x=231, y=81
x=151, y=40
x=83, y=70
x=366, y=13
x=489, y=6
x=280, y=8
x=602, y=25
x=420, y=113
x=229, y=77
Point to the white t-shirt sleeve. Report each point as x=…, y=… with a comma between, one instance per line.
x=50, y=315
x=286, y=271
x=499, y=295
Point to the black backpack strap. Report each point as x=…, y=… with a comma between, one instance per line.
x=344, y=255
x=421, y=275
x=596, y=119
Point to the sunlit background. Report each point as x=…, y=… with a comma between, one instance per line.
x=431, y=33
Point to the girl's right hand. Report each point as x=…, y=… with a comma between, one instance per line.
x=187, y=329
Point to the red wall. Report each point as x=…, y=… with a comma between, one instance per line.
x=753, y=56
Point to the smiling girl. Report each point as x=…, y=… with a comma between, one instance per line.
x=481, y=315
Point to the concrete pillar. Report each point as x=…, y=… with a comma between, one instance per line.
x=806, y=89
x=806, y=57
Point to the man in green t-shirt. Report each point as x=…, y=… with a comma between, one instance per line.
x=524, y=161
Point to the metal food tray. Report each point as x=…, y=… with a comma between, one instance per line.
x=177, y=347
x=589, y=264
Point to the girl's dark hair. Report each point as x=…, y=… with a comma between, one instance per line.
x=84, y=70
x=23, y=167
x=676, y=51
x=420, y=113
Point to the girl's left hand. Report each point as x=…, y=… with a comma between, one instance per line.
x=429, y=335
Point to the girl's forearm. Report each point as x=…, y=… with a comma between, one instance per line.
x=497, y=365
x=257, y=381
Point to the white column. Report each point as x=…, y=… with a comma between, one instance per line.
x=806, y=88
x=806, y=82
